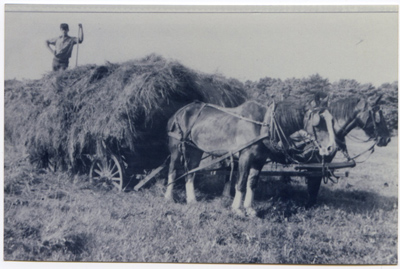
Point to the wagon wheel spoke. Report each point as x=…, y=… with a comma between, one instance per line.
x=107, y=171
x=99, y=165
x=52, y=166
x=114, y=174
x=113, y=167
x=98, y=171
x=124, y=161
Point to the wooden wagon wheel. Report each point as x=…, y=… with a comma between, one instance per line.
x=44, y=163
x=107, y=170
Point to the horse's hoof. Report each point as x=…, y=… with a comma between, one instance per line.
x=310, y=205
x=251, y=212
x=191, y=202
x=239, y=213
x=169, y=198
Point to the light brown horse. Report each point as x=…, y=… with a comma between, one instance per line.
x=199, y=128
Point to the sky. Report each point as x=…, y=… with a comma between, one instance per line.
x=247, y=46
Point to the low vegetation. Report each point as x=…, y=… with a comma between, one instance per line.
x=57, y=217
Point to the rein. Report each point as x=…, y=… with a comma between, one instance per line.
x=370, y=149
x=347, y=129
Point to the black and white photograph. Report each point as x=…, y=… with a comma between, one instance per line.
x=200, y=135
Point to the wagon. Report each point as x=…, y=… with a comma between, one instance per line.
x=116, y=165
x=111, y=163
x=126, y=170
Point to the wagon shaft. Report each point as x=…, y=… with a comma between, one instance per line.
x=349, y=164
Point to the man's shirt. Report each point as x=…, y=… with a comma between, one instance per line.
x=63, y=46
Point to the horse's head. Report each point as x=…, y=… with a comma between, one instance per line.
x=369, y=117
x=318, y=122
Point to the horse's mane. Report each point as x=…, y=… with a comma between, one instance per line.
x=289, y=114
x=343, y=108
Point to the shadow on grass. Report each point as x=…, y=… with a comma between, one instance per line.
x=293, y=194
x=289, y=195
x=356, y=201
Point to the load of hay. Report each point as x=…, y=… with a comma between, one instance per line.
x=61, y=118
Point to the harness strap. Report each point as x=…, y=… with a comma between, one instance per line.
x=277, y=129
x=232, y=168
x=371, y=149
x=347, y=128
x=223, y=157
x=238, y=116
x=174, y=135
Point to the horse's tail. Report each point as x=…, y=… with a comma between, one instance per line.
x=179, y=126
x=174, y=130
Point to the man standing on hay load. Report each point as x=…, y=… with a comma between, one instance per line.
x=63, y=45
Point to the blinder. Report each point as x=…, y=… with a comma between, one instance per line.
x=315, y=119
x=375, y=115
x=378, y=115
x=315, y=116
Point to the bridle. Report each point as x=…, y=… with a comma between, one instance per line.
x=315, y=123
x=372, y=112
x=347, y=129
x=352, y=123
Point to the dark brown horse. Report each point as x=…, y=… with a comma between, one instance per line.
x=363, y=113
x=350, y=113
x=199, y=128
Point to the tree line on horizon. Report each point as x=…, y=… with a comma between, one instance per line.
x=268, y=88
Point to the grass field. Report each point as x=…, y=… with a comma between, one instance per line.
x=58, y=217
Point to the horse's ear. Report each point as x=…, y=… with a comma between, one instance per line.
x=321, y=101
x=379, y=99
x=272, y=105
x=310, y=105
x=361, y=105
x=375, y=99
x=324, y=101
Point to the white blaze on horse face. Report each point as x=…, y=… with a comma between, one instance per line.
x=327, y=146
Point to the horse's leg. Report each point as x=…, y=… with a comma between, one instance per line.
x=240, y=187
x=313, y=185
x=193, y=159
x=229, y=179
x=252, y=182
x=227, y=187
x=173, y=165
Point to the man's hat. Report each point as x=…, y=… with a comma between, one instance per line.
x=64, y=26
